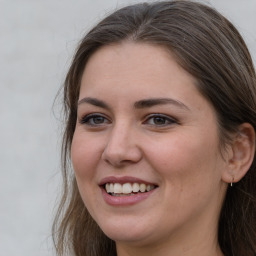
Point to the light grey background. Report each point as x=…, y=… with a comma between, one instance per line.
x=37, y=40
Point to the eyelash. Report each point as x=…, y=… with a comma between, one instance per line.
x=91, y=118
x=167, y=120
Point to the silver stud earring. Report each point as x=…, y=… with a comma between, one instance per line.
x=231, y=184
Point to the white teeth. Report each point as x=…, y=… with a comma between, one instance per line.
x=108, y=188
x=142, y=187
x=149, y=187
x=111, y=188
x=136, y=187
x=127, y=188
x=118, y=188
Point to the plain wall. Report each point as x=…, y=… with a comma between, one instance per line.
x=37, y=40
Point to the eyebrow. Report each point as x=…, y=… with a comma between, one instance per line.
x=145, y=103
x=95, y=102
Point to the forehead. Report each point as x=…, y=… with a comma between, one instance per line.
x=127, y=64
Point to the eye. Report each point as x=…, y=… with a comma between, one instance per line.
x=159, y=120
x=94, y=120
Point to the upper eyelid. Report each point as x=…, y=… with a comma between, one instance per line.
x=91, y=115
x=161, y=115
x=146, y=117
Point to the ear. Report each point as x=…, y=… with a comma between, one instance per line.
x=241, y=154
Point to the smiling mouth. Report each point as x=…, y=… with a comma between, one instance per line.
x=127, y=189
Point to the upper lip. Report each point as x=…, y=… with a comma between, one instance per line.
x=123, y=180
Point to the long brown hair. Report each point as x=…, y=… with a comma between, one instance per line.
x=210, y=48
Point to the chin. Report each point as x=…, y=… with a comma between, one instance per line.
x=125, y=231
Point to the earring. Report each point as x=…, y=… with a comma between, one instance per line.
x=231, y=184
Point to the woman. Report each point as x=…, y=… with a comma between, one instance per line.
x=160, y=105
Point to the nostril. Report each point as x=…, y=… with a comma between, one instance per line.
x=118, y=163
x=122, y=157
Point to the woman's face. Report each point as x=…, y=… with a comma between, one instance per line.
x=145, y=149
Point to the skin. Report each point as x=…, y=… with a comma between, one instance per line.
x=179, y=152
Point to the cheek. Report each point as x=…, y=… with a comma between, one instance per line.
x=187, y=161
x=191, y=176
x=84, y=156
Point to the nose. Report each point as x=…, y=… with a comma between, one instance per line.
x=122, y=146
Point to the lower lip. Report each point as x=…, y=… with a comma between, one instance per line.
x=125, y=200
